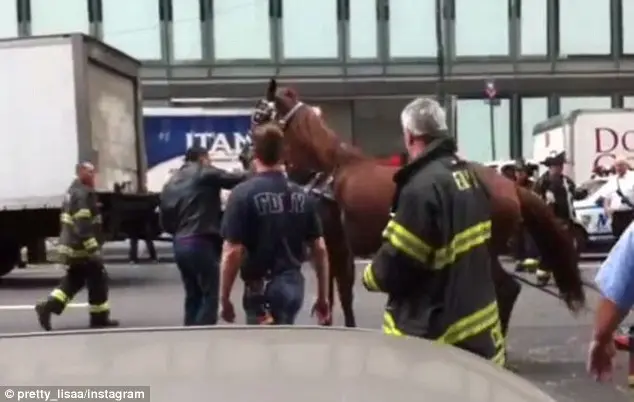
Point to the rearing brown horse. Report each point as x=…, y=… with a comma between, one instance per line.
x=364, y=190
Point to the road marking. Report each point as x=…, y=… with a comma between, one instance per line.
x=22, y=307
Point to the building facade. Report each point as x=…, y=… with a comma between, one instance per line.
x=362, y=60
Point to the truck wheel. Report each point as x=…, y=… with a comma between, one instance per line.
x=580, y=237
x=9, y=257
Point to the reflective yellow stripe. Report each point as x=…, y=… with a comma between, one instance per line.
x=500, y=357
x=91, y=243
x=461, y=243
x=99, y=308
x=405, y=241
x=82, y=213
x=66, y=218
x=368, y=279
x=69, y=252
x=389, y=326
x=471, y=325
x=59, y=294
x=97, y=220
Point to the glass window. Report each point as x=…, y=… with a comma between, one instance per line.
x=474, y=130
x=8, y=19
x=412, y=28
x=362, y=30
x=628, y=26
x=61, y=16
x=310, y=29
x=534, y=110
x=133, y=27
x=568, y=104
x=186, y=30
x=534, y=28
x=482, y=28
x=372, y=119
x=242, y=30
x=628, y=102
x=584, y=27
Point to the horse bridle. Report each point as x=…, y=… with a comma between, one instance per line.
x=266, y=112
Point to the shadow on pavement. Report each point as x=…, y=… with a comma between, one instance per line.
x=50, y=282
x=568, y=380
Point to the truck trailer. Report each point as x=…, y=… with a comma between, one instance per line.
x=591, y=139
x=66, y=99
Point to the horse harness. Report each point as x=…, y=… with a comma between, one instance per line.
x=321, y=186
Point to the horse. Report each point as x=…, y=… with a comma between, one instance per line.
x=364, y=191
x=340, y=258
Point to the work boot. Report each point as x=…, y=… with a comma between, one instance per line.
x=543, y=277
x=530, y=264
x=44, y=315
x=46, y=309
x=102, y=320
x=519, y=266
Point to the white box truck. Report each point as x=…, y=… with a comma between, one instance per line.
x=591, y=138
x=65, y=99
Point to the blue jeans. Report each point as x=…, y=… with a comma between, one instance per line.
x=254, y=302
x=285, y=296
x=198, y=262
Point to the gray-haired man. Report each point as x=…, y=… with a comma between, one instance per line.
x=434, y=262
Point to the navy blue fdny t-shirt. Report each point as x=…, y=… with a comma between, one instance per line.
x=273, y=219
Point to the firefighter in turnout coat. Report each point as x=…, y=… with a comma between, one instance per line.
x=435, y=263
x=80, y=250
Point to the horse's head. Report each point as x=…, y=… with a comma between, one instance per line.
x=309, y=142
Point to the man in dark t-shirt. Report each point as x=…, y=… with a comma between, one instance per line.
x=272, y=221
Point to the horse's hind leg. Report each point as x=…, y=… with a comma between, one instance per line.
x=345, y=285
x=507, y=291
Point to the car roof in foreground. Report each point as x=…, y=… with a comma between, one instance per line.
x=260, y=363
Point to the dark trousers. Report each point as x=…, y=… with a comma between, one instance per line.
x=620, y=221
x=89, y=273
x=525, y=246
x=198, y=262
x=134, y=248
x=283, y=296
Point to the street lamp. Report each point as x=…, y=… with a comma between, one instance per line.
x=491, y=92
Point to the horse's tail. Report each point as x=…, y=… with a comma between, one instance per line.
x=556, y=248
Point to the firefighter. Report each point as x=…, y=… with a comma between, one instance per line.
x=558, y=191
x=525, y=250
x=434, y=263
x=79, y=249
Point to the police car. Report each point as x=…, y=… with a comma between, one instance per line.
x=591, y=215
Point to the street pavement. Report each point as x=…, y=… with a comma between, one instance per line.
x=547, y=345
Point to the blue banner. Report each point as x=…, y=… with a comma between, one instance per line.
x=168, y=137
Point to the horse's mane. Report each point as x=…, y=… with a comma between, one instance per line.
x=319, y=142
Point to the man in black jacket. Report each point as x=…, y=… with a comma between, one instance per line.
x=190, y=210
x=558, y=191
x=434, y=263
